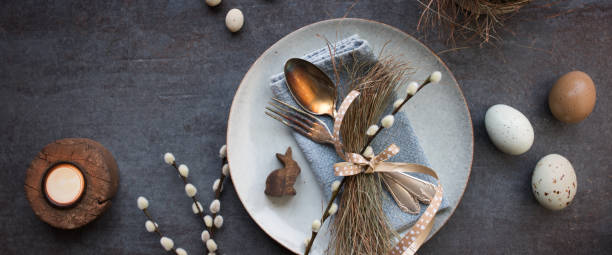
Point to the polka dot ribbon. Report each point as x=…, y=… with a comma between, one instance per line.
x=348, y=100
x=417, y=235
x=356, y=164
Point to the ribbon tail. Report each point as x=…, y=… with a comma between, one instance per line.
x=414, y=246
x=404, y=199
x=422, y=190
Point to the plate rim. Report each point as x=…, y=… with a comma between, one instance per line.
x=452, y=75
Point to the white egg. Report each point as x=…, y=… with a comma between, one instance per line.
x=554, y=182
x=212, y=3
x=509, y=129
x=234, y=20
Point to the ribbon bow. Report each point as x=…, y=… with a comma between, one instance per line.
x=357, y=161
x=405, y=189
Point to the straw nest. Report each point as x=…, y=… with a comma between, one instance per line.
x=468, y=19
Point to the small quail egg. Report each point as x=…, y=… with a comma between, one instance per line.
x=554, y=182
x=234, y=20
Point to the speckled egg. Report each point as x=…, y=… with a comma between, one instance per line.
x=554, y=182
x=509, y=130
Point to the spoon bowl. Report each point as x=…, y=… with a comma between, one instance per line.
x=310, y=87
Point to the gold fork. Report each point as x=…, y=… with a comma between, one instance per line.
x=302, y=122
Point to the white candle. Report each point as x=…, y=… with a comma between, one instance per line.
x=64, y=184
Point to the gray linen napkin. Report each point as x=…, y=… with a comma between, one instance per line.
x=322, y=157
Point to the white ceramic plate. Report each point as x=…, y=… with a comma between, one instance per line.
x=439, y=115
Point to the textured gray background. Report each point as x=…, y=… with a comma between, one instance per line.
x=146, y=77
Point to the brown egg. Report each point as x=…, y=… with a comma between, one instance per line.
x=573, y=97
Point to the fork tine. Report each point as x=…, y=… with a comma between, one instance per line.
x=294, y=108
x=294, y=127
x=302, y=113
x=294, y=120
x=293, y=114
x=280, y=119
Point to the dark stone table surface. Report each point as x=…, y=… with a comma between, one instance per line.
x=146, y=77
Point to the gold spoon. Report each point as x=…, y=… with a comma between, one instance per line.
x=310, y=87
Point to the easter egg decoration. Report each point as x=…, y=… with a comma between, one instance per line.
x=573, y=97
x=554, y=182
x=234, y=20
x=509, y=130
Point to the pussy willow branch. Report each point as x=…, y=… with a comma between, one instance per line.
x=325, y=216
x=221, y=179
x=336, y=192
x=157, y=230
x=195, y=200
x=396, y=110
x=197, y=206
x=217, y=195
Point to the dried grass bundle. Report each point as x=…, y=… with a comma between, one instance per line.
x=467, y=19
x=360, y=226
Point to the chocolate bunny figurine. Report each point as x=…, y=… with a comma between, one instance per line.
x=280, y=181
